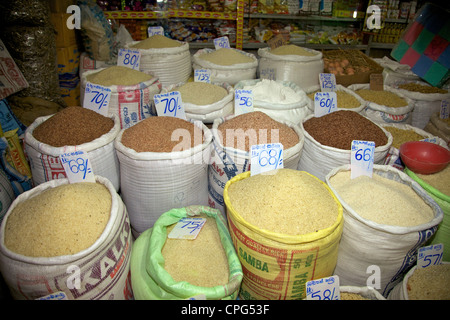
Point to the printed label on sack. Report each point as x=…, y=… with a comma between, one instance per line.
x=130, y=58
x=60, y=295
x=323, y=289
x=130, y=110
x=243, y=101
x=324, y=103
x=155, y=30
x=266, y=157
x=187, y=228
x=202, y=75
x=77, y=167
x=221, y=42
x=361, y=162
x=267, y=73
x=169, y=104
x=430, y=255
x=96, y=98
x=445, y=109
x=327, y=82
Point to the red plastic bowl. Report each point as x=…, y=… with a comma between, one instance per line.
x=424, y=157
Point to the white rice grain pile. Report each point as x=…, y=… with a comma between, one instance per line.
x=201, y=93
x=226, y=57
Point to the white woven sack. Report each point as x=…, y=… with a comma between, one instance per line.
x=319, y=159
x=366, y=292
x=170, y=65
x=292, y=112
x=152, y=183
x=384, y=114
x=103, y=267
x=207, y=113
x=339, y=87
x=302, y=70
x=400, y=291
x=395, y=73
x=7, y=195
x=226, y=162
x=425, y=104
x=45, y=163
x=230, y=74
x=130, y=104
x=366, y=246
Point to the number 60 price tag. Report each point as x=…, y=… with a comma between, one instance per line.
x=96, y=98
x=362, y=158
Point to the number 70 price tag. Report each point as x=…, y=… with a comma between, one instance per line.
x=96, y=98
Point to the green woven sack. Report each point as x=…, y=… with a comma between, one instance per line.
x=149, y=279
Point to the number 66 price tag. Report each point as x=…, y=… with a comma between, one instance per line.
x=323, y=289
x=77, y=166
x=96, y=98
x=266, y=157
x=362, y=158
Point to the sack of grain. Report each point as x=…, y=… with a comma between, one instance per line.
x=384, y=106
x=359, y=293
x=429, y=283
x=282, y=239
x=281, y=100
x=204, y=268
x=346, y=99
x=386, y=219
x=439, y=127
x=230, y=152
x=7, y=195
x=302, y=69
x=226, y=64
x=132, y=91
x=395, y=73
x=56, y=264
x=205, y=101
x=328, y=144
x=173, y=175
x=401, y=133
x=95, y=132
x=171, y=63
x=437, y=186
x=425, y=98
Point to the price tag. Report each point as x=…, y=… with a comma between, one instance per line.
x=96, y=98
x=221, y=42
x=243, y=101
x=155, y=30
x=276, y=41
x=430, y=255
x=202, y=75
x=187, y=228
x=129, y=58
x=169, y=104
x=323, y=289
x=266, y=157
x=77, y=166
x=376, y=82
x=324, y=103
x=60, y=295
x=327, y=82
x=362, y=158
x=445, y=109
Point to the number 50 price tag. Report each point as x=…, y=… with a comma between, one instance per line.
x=362, y=158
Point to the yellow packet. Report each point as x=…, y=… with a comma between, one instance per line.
x=16, y=155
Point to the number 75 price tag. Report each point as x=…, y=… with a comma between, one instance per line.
x=362, y=158
x=96, y=98
x=187, y=228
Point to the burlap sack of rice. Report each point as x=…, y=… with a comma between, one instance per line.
x=167, y=59
x=132, y=91
x=291, y=63
x=282, y=239
x=205, y=101
x=226, y=64
x=164, y=172
x=69, y=130
x=232, y=140
x=75, y=238
x=429, y=283
x=398, y=215
x=346, y=99
x=281, y=100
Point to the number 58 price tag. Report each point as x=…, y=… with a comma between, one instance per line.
x=362, y=158
x=323, y=289
x=96, y=98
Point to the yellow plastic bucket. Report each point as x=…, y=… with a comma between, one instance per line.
x=277, y=266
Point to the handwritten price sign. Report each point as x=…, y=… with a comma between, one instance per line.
x=430, y=255
x=96, y=98
x=327, y=82
x=187, y=228
x=361, y=162
x=445, y=109
x=243, y=101
x=202, y=75
x=323, y=289
x=324, y=103
x=129, y=58
x=266, y=157
x=77, y=167
x=169, y=104
x=221, y=42
x=155, y=30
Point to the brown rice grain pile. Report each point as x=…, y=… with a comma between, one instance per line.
x=119, y=76
x=201, y=262
x=292, y=49
x=439, y=180
x=382, y=200
x=430, y=283
x=286, y=201
x=245, y=130
x=201, y=93
x=339, y=128
x=351, y=296
x=162, y=134
x=400, y=136
x=156, y=41
x=385, y=98
x=72, y=126
x=226, y=57
x=344, y=100
x=416, y=87
x=59, y=221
